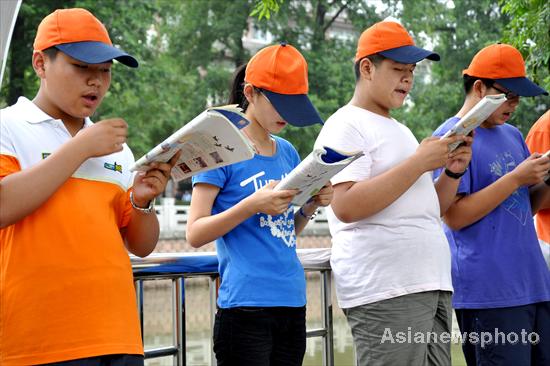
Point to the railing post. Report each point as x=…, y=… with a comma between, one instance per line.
x=326, y=314
x=178, y=319
x=169, y=220
x=139, y=301
x=212, y=287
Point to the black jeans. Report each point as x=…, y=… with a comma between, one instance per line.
x=107, y=360
x=249, y=336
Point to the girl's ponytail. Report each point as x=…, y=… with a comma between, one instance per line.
x=236, y=94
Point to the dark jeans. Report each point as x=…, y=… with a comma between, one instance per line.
x=271, y=336
x=107, y=360
x=500, y=326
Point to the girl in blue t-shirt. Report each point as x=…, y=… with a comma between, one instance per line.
x=262, y=296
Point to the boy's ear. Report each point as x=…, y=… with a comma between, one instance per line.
x=366, y=68
x=479, y=89
x=38, y=64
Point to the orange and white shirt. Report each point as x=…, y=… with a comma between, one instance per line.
x=66, y=286
x=538, y=140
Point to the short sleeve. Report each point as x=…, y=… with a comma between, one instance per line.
x=216, y=177
x=124, y=212
x=538, y=139
x=342, y=135
x=9, y=163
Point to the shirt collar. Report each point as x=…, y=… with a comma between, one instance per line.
x=33, y=114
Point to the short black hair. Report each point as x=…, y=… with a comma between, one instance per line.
x=51, y=52
x=376, y=59
x=470, y=80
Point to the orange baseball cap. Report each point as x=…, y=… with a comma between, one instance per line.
x=77, y=33
x=504, y=64
x=391, y=40
x=281, y=72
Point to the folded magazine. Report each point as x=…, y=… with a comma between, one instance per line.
x=211, y=140
x=475, y=117
x=315, y=171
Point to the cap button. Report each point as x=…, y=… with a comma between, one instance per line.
x=284, y=43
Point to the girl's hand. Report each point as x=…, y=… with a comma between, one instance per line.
x=149, y=184
x=270, y=202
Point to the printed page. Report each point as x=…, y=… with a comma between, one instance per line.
x=210, y=140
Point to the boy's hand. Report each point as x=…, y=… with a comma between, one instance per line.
x=271, y=202
x=532, y=170
x=433, y=152
x=324, y=196
x=149, y=184
x=460, y=158
x=103, y=138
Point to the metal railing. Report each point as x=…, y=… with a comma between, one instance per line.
x=173, y=220
x=179, y=266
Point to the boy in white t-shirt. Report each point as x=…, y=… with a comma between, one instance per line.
x=390, y=257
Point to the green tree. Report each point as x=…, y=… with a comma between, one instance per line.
x=457, y=30
x=320, y=29
x=529, y=31
x=188, y=50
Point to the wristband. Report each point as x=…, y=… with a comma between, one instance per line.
x=310, y=217
x=453, y=175
x=147, y=210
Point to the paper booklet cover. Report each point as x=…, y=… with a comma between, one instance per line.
x=475, y=117
x=315, y=171
x=211, y=140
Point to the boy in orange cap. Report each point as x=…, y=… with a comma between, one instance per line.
x=390, y=258
x=501, y=282
x=261, y=317
x=70, y=210
x=538, y=140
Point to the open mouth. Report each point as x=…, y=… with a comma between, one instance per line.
x=401, y=91
x=91, y=98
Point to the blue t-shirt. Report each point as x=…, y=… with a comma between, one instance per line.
x=496, y=261
x=258, y=264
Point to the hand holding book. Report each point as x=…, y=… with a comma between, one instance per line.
x=315, y=171
x=475, y=117
x=211, y=140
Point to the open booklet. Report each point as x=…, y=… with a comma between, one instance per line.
x=315, y=171
x=211, y=140
x=475, y=117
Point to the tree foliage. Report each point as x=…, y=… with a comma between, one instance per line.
x=188, y=50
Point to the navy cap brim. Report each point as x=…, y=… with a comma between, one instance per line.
x=92, y=52
x=522, y=86
x=296, y=109
x=409, y=54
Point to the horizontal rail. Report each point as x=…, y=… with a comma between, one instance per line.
x=179, y=266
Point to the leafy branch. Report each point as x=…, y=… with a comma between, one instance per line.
x=264, y=8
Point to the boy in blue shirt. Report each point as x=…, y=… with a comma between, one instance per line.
x=502, y=285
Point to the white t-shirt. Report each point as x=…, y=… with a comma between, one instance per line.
x=401, y=249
